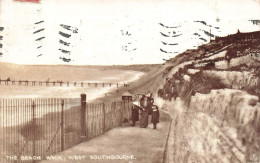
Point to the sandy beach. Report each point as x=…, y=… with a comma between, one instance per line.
x=72, y=92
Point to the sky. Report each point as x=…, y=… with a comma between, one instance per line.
x=102, y=27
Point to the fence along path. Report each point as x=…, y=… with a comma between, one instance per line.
x=44, y=126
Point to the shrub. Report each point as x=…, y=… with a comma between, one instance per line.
x=200, y=83
x=32, y=131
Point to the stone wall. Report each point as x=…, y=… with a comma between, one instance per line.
x=238, y=107
x=222, y=126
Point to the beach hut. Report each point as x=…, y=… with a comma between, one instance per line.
x=127, y=96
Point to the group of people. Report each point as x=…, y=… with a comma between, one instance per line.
x=146, y=108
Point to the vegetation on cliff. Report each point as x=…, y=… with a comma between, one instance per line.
x=203, y=67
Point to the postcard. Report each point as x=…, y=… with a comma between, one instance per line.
x=112, y=81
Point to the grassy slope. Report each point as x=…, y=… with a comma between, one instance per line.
x=151, y=81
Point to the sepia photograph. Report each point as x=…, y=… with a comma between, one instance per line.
x=129, y=81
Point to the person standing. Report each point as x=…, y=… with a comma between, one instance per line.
x=155, y=116
x=135, y=113
x=144, y=112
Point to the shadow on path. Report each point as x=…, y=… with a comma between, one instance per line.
x=143, y=145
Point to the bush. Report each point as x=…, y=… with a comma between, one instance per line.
x=200, y=83
x=32, y=131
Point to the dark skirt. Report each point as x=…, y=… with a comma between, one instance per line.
x=135, y=113
x=144, y=119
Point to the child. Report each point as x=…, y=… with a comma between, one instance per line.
x=155, y=116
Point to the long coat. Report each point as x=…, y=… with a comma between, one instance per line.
x=135, y=113
x=155, y=114
x=144, y=112
x=149, y=104
x=144, y=118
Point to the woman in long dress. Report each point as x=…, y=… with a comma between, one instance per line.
x=144, y=112
x=135, y=113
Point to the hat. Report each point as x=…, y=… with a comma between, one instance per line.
x=137, y=103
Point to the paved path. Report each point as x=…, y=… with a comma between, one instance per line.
x=140, y=145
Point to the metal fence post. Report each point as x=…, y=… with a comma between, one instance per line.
x=62, y=125
x=83, y=116
x=34, y=132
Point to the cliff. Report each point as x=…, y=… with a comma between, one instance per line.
x=212, y=95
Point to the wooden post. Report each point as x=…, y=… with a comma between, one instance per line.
x=103, y=84
x=83, y=116
x=121, y=112
x=104, y=117
x=124, y=110
x=82, y=84
x=130, y=109
x=62, y=125
x=87, y=137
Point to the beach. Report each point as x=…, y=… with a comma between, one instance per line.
x=64, y=91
